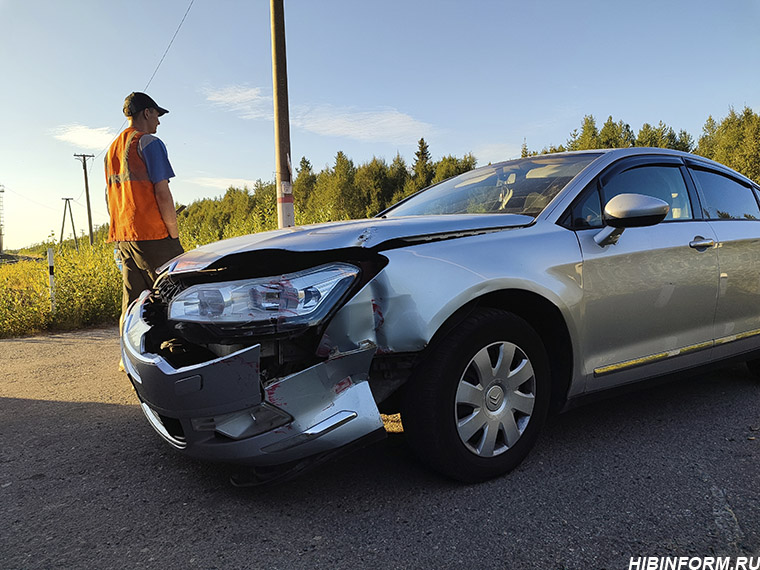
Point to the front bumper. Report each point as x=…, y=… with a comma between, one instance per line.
x=219, y=410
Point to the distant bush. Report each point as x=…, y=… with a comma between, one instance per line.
x=87, y=292
x=88, y=284
x=24, y=300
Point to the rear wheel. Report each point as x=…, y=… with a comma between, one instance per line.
x=476, y=405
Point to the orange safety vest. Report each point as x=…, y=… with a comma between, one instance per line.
x=132, y=201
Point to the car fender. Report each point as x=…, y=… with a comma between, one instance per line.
x=423, y=285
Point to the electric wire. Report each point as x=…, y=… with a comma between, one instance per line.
x=40, y=204
x=170, y=44
x=166, y=51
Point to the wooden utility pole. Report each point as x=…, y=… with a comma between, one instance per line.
x=83, y=158
x=71, y=216
x=284, y=176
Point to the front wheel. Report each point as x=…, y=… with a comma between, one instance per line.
x=476, y=405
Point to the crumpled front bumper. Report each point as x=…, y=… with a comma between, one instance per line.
x=219, y=410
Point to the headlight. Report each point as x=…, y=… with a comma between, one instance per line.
x=295, y=299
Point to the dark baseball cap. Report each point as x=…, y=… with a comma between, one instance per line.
x=136, y=102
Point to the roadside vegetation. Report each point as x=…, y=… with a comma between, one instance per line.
x=88, y=283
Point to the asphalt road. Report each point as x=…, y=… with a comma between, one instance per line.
x=86, y=483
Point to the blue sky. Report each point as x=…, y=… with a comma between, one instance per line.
x=366, y=78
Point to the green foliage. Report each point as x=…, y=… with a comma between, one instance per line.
x=423, y=171
x=374, y=185
x=88, y=285
x=615, y=135
x=450, y=166
x=87, y=291
x=735, y=142
x=24, y=302
x=304, y=184
x=663, y=136
x=588, y=138
x=238, y=212
x=620, y=135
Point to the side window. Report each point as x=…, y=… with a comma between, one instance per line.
x=724, y=198
x=587, y=212
x=663, y=182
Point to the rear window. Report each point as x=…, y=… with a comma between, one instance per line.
x=724, y=198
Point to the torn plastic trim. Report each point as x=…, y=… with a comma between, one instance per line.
x=331, y=403
x=331, y=406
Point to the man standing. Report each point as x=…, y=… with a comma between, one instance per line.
x=143, y=220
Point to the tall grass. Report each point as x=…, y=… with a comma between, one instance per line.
x=87, y=292
x=87, y=282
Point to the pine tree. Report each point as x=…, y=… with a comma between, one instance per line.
x=615, y=135
x=422, y=170
x=588, y=137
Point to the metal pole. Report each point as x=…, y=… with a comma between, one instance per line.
x=83, y=158
x=284, y=176
x=51, y=272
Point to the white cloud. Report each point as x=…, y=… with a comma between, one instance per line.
x=381, y=125
x=248, y=102
x=222, y=183
x=85, y=137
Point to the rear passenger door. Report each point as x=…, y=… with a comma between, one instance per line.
x=730, y=205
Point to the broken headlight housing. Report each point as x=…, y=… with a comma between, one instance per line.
x=271, y=304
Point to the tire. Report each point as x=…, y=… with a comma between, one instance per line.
x=476, y=404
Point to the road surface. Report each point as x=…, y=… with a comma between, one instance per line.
x=86, y=483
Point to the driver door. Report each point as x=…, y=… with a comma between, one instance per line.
x=649, y=300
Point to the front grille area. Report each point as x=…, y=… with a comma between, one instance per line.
x=168, y=288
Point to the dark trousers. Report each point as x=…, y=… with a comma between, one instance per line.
x=140, y=260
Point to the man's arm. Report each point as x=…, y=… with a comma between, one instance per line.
x=166, y=207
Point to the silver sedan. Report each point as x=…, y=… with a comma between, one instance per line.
x=473, y=308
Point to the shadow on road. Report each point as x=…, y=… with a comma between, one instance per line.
x=667, y=470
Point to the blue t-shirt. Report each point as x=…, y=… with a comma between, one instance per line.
x=153, y=152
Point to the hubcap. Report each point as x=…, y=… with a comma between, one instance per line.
x=495, y=398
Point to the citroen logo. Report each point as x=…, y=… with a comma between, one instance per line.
x=494, y=398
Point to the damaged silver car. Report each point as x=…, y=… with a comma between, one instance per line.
x=472, y=308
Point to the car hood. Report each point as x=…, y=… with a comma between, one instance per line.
x=373, y=233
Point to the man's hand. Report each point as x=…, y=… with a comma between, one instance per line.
x=166, y=207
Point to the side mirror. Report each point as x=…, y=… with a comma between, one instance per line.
x=630, y=211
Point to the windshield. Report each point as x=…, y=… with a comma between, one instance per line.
x=523, y=186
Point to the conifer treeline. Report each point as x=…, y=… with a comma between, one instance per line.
x=734, y=141
x=346, y=191
x=340, y=192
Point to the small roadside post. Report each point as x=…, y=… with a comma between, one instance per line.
x=51, y=273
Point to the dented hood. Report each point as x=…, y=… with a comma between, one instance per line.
x=373, y=233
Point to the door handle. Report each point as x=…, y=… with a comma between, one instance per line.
x=701, y=243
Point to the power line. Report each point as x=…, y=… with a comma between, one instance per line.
x=40, y=204
x=149, y=80
x=170, y=45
